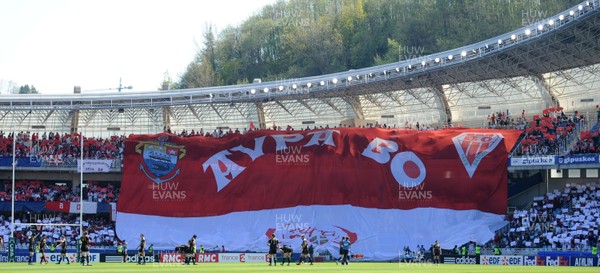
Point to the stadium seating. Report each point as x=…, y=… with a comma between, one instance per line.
x=42, y=191
x=551, y=133
x=100, y=229
x=567, y=220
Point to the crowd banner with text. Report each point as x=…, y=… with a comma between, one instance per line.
x=533, y=161
x=379, y=187
x=578, y=159
x=94, y=165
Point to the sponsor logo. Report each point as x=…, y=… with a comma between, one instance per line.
x=532, y=161
x=229, y=257
x=207, y=258
x=583, y=159
x=502, y=260
x=171, y=258
x=552, y=261
x=55, y=257
x=577, y=261
x=254, y=257
x=465, y=260
x=529, y=260
x=473, y=147
x=134, y=259
x=160, y=159
x=18, y=258
x=512, y=260
x=490, y=259
x=460, y=260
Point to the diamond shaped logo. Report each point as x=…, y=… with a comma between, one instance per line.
x=473, y=147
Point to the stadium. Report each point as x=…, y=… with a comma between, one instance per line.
x=381, y=155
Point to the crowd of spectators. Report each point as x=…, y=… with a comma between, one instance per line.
x=550, y=133
x=567, y=220
x=588, y=141
x=100, y=228
x=553, y=132
x=57, y=149
x=222, y=132
x=43, y=191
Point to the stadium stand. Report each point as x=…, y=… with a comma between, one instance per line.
x=100, y=228
x=43, y=191
x=565, y=220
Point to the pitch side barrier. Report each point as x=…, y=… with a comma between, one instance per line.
x=171, y=257
x=541, y=161
x=175, y=257
x=540, y=260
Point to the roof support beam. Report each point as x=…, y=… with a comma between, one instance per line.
x=444, y=108
x=354, y=102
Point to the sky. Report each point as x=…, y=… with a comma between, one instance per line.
x=55, y=45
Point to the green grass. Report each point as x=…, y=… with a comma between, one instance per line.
x=251, y=267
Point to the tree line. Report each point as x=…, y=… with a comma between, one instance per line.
x=299, y=38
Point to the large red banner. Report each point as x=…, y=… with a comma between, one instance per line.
x=461, y=169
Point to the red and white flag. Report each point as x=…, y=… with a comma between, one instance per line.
x=385, y=189
x=73, y=207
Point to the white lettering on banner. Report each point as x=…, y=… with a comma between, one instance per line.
x=512, y=260
x=465, y=260
x=325, y=136
x=54, y=257
x=219, y=161
x=229, y=257
x=501, y=260
x=222, y=166
x=532, y=161
x=113, y=211
x=207, y=257
x=584, y=262
x=551, y=261
x=254, y=257
x=254, y=154
x=18, y=258
x=171, y=258
x=282, y=140
x=134, y=259
x=94, y=165
x=399, y=173
x=578, y=159
x=88, y=207
x=380, y=149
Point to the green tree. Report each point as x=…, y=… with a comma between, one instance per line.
x=391, y=56
x=298, y=38
x=25, y=89
x=314, y=49
x=201, y=72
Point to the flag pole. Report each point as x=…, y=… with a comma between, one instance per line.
x=12, y=199
x=81, y=186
